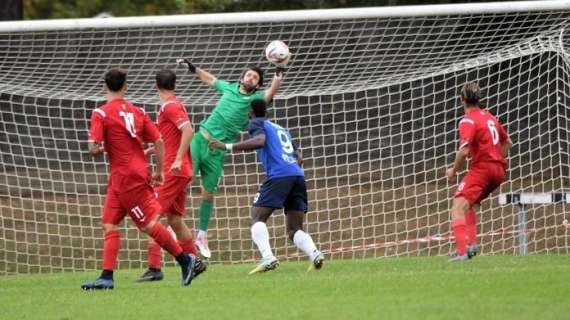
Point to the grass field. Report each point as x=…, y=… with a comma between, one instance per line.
x=488, y=287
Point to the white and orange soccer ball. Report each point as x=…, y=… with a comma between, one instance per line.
x=277, y=53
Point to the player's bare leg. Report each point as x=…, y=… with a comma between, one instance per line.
x=260, y=236
x=206, y=208
x=459, y=226
x=294, y=221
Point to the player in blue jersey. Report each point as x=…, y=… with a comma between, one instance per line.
x=284, y=187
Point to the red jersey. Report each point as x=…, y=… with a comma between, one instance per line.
x=122, y=128
x=172, y=116
x=483, y=134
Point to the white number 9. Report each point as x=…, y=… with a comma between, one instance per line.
x=286, y=144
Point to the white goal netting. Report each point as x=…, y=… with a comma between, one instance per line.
x=372, y=101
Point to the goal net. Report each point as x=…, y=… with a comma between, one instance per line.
x=370, y=95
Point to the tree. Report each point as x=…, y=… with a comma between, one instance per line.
x=49, y=9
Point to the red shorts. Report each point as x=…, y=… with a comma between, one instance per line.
x=137, y=200
x=480, y=182
x=172, y=194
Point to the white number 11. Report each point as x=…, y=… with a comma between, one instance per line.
x=494, y=132
x=129, y=122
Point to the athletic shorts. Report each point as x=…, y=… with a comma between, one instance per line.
x=286, y=192
x=172, y=194
x=134, y=197
x=479, y=183
x=209, y=164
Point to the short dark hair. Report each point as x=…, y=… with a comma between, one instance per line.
x=115, y=79
x=166, y=79
x=471, y=93
x=259, y=107
x=259, y=72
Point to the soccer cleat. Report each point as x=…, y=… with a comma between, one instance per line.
x=188, y=272
x=202, y=244
x=200, y=267
x=265, y=265
x=473, y=250
x=151, y=275
x=459, y=257
x=98, y=284
x=318, y=261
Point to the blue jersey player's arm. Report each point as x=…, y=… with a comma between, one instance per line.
x=257, y=140
x=298, y=153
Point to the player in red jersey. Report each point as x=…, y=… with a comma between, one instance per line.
x=120, y=128
x=484, y=138
x=176, y=130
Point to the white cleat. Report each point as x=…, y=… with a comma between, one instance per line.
x=202, y=244
x=317, y=261
x=265, y=265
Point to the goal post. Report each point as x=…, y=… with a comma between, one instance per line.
x=370, y=95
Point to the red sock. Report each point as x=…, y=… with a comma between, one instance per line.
x=188, y=246
x=459, y=228
x=471, y=221
x=165, y=239
x=154, y=254
x=111, y=247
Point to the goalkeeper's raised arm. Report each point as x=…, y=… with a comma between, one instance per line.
x=249, y=83
x=202, y=74
x=275, y=84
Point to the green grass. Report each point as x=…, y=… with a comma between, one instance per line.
x=492, y=287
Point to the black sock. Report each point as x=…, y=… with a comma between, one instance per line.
x=107, y=274
x=182, y=259
x=154, y=269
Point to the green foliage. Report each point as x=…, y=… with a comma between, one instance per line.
x=50, y=9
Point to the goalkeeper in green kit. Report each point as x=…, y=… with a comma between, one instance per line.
x=229, y=117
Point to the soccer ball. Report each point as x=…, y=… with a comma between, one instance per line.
x=277, y=52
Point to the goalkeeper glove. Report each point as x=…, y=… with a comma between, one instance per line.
x=279, y=72
x=186, y=62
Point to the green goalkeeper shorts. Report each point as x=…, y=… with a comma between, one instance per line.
x=207, y=163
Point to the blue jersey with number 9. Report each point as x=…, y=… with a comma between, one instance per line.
x=278, y=154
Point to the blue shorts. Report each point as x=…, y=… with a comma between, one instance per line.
x=286, y=192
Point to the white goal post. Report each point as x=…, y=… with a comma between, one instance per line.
x=370, y=95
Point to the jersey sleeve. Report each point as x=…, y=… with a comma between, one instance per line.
x=261, y=96
x=256, y=127
x=176, y=114
x=150, y=131
x=220, y=85
x=96, y=131
x=466, y=132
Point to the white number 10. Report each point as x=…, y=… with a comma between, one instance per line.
x=494, y=132
x=129, y=122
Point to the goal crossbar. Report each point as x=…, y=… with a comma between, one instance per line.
x=284, y=16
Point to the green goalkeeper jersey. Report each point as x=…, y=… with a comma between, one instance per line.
x=231, y=114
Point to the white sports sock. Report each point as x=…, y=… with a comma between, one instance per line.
x=304, y=242
x=260, y=236
x=201, y=234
